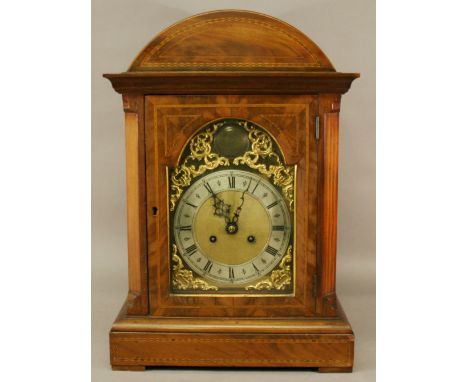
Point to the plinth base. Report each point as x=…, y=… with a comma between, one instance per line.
x=323, y=343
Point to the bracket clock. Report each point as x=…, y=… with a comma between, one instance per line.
x=231, y=125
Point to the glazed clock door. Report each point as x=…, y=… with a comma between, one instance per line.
x=226, y=179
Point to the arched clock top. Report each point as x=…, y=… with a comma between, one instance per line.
x=231, y=143
x=231, y=52
x=231, y=40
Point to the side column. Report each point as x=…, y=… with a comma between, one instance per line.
x=137, y=299
x=329, y=108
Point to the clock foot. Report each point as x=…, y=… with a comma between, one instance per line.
x=128, y=367
x=335, y=369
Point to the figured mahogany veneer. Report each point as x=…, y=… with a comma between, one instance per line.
x=231, y=40
x=242, y=65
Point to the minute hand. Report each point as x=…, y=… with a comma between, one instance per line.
x=235, y=218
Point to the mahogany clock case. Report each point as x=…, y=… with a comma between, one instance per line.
x=202, y=69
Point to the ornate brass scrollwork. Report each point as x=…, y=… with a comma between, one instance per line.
x=183, y=279
x=279, y=279
x=256, y=158
x=200, y=159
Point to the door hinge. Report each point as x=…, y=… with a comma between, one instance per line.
x=317, y=127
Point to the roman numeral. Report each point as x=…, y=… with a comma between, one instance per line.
x=256, y=186
x=191, y=250
x=278, y=228
x=190, y=204
x=207, y=267
x=208, y=187
x=185, y=228
x=256, y=269
x=273, y=204
x=271, y=250
x=231, y=272
x=232, y=181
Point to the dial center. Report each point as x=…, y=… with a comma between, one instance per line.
x=231, y=247
x=232, y=228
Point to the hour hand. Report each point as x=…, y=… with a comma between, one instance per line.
x=221, y=208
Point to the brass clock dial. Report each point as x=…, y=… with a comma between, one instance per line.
x=232, y=227
x=231, y=202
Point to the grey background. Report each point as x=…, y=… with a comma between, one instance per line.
x=345, y=30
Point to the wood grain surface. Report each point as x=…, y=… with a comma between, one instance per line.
x=232, y=40
x=199, y=82
x=138, y=342
x=136, y=204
